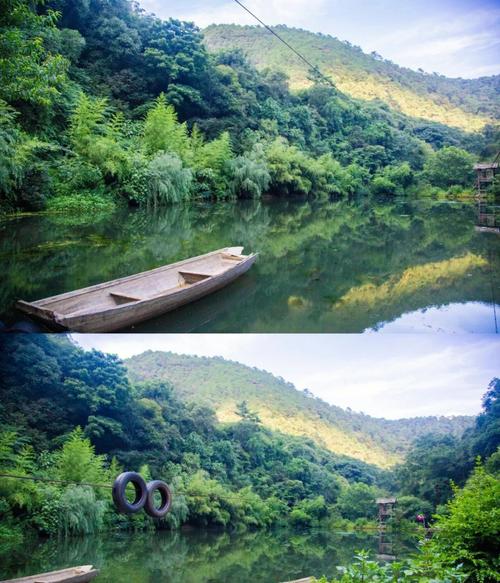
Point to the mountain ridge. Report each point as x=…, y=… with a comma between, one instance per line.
x=468, y=104
x=222, y=384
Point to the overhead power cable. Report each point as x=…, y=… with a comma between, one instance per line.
x=281, y=39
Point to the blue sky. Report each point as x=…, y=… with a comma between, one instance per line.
x=392, y=375
x=457, y=38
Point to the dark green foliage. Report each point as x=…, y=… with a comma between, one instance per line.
x=81, y=420
x=485, y=437
x=435, y=462
x=450, y=166
x=468, y=532
x=103, y=89
x=430, y=466
x=358, y=501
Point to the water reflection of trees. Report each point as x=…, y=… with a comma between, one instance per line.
x=316, y=252
x=198, y=556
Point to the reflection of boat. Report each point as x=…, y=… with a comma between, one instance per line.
x=124, y=302
x=72, y=575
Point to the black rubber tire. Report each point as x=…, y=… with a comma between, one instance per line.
x=166, y=499
x=119, y=497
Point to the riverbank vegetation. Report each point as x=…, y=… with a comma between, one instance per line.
x=73, y=420
x=104, y=104
x=464, y=544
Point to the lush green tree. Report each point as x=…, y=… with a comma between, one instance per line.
x=289, y=169
x=244, y=412
x=408, y=507
x=95, y=136
x=450, y=166
x=431, y=465
x=162, y=131
x=468, y=532
x=486, y=435
x=249, y=178
x=393, y=180
x=307, y=512
x=24, y=179
x=30, y=73
x=78, y=462
x=358, y=501
x=169, y=181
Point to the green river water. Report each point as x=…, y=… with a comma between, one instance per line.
x=198, y=556
x=401, y=266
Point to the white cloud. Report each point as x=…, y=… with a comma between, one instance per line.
x=390, y=376
x=456, y=42
x=292, y=12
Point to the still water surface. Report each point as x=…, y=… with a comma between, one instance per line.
x=400, y=266
x=202, y=556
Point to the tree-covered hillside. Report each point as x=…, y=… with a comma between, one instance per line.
x=468, y=104
x=222, y=384
x=73, y=415
x=102, y=104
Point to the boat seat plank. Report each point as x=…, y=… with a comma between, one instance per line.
x=230, y=257
x=190, y=277
x=123, y=298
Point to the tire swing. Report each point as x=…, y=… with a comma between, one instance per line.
x=166, y=499
x=120, y=498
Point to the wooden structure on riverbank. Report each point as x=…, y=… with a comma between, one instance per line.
x=385, y=509
x=485, y=174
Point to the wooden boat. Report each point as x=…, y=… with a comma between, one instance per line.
x=73, y=575
x=123, y=302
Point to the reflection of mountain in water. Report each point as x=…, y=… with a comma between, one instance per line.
x=339, y=267
x=423, y=285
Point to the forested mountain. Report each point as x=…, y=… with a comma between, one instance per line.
x=468, y=104
x=103, y=104
x=73, y=415
x=223, y=385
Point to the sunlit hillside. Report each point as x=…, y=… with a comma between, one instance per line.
x=461, y=103
x=223, y=384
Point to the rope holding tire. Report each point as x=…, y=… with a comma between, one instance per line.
x=144, y=495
